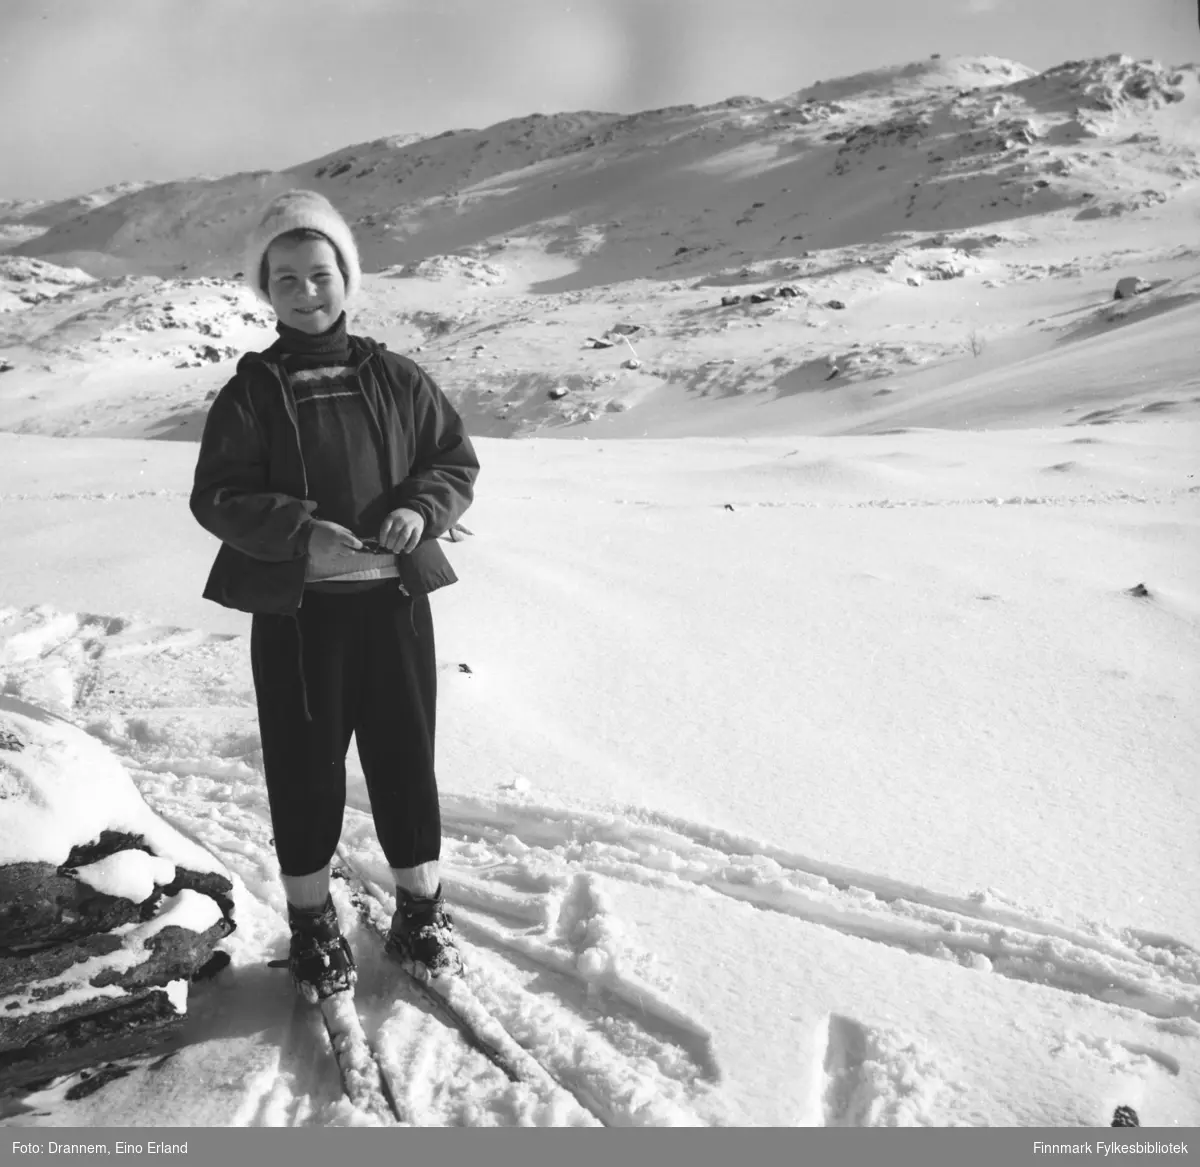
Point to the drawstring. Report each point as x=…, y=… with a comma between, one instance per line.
x=300, y=662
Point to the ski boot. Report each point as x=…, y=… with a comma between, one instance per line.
x=319, y=959
x=422, y=937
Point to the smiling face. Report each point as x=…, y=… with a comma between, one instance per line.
x=306, y=286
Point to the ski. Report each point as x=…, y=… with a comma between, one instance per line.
x=450, y=997
x=365, y=1081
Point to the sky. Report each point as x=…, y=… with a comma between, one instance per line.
x=97, y=92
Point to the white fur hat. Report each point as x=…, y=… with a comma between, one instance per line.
x=300, y=208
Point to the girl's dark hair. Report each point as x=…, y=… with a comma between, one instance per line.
x=296, y=235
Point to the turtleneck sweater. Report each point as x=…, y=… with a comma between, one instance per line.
x=332, y=345
x=347, y=475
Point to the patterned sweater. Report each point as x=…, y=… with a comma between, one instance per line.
x=341, y=444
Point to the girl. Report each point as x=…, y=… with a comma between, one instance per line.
x=328, y=469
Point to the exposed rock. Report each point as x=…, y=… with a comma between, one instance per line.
x=730, y=301
x=98, y=944
x=557, y=392
x=136, y=1027
x=118, y=969
x=1128, y=204
x=1130, y=286
x=434, y=324
x=441, y=267
x=836, y=304
x=898, y=131
x=123, y=987
x=203, y=354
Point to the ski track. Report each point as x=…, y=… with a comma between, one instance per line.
x=547, y=955
x=278, y=1094
x=874, y=1077
x=535, y=1073
x=1150, y=973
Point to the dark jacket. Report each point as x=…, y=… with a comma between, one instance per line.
x=251, y=491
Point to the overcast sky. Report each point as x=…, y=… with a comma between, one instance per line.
x=101, y=91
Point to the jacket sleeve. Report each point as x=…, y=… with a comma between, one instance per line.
x=230, y=496
x=441, y=482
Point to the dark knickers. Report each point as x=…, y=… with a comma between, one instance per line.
x=369, y=669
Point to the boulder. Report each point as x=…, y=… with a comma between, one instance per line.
x=107, y=913
x=730, y=300
x=1130, y=286
x=946, y=269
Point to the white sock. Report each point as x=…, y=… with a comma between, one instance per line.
x=307, y=891
x=421, y=880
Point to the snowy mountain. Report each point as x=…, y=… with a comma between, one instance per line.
x=499, y=252
x=934, y=146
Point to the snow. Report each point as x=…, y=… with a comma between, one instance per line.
x=851, y=804
x=177, y=991
x=128, y=874
x=63, y=788
x=811, y=752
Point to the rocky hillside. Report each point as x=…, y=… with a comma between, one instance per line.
x=592, y=269
x=931, y=146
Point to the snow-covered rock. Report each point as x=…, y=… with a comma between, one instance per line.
x=106, y=911
x=1129, y=286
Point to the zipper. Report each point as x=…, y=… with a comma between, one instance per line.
x=289, y=407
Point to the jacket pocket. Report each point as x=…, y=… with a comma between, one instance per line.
x=426, y=569
x=254, y=585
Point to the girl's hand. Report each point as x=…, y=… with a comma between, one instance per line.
x=402, y=531
x=329, y=542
